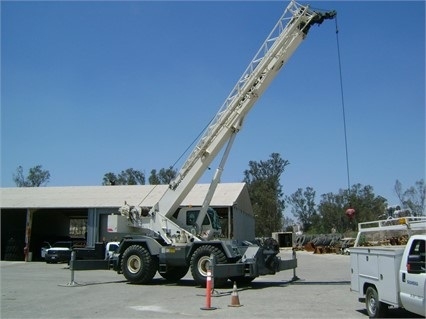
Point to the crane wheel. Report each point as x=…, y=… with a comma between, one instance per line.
x=137, y=265
x=200, y=261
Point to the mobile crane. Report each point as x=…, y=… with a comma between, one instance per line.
x=164, y=238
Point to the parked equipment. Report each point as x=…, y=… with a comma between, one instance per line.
x=390, y=274
x=161, y=238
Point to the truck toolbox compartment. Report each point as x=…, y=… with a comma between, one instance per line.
x=378, y=266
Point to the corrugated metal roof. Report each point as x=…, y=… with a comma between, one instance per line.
x=226, y=194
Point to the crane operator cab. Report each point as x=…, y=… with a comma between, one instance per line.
x=186, y=218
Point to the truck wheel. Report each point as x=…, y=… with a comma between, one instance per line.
x=138, y=266
x=174, y=274
x=200, y=261
x=375, y=308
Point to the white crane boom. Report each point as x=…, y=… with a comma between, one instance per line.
x=285, y=37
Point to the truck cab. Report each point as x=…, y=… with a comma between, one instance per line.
x=186, y=217
x=412, y=276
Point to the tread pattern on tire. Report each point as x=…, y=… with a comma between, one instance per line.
x=149, y=265
x=207, y=250
x=380, y=307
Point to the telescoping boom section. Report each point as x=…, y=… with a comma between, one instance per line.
x=290, y=30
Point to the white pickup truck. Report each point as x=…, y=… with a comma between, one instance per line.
x=390, y=275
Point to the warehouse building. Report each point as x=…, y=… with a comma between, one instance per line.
x=33, y=215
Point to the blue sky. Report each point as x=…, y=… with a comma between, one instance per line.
x=94, y=87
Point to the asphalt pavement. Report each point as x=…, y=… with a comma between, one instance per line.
x=40, y=290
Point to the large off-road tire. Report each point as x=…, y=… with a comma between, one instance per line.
x=200, y=261
x=137, y=265
x=174, y=274
x=375, y=308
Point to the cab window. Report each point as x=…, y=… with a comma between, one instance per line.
x=192, y=215
x=416, y=262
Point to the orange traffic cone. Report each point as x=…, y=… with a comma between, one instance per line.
x=235, y=300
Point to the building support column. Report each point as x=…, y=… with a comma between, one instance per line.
x=29, y=225
x=92, y=227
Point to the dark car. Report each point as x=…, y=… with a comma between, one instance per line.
x=59, y=252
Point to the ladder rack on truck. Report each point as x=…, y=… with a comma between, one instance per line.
x=391, y=231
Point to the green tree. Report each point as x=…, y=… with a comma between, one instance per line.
x=288, y=224
x=109, y=179
x=303, y=207
x=263, y=182
x=164, y=176
x=332, y=209
x=331, y=214
x=129, y=176
x=36, y=177
x=413, y=198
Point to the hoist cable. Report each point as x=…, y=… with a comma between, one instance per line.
x=192, y=143
x=343, y=104
x=175, y=163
